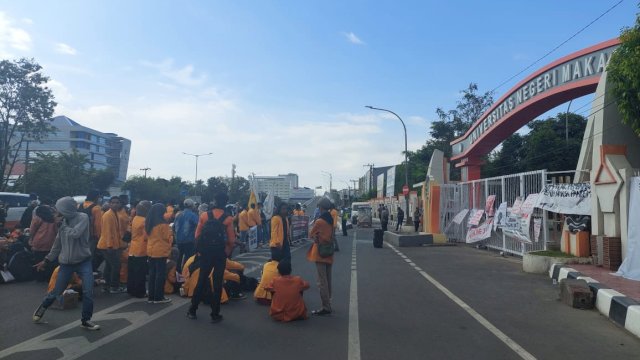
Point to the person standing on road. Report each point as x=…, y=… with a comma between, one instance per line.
x=215, y=238
x=334, y=216
x=185, y=225
x=243, y=227
x=321, y=233
x=115, y=224
x=73, y=251
x=160, y=239
x=91, y=207
x=416, y=218
x=137, y=268
x=400, y=218
x=384, y=218
x=345, y=217
x=43, y=232
x=280, y=244
x=298, y=210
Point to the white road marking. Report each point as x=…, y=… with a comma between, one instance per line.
x=77, y=346
x=354, y=327
x=481, y=319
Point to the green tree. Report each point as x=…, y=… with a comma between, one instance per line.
x=624, y=74
x=55, y=176
x=26, y=107
x=214, y=186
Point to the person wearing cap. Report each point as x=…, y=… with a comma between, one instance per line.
x=185, y=227
x=322, y=233
x=72, y=250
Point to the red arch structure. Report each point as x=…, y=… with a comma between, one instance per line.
x=568, y=78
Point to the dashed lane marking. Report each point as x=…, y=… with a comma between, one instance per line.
x=354, y=326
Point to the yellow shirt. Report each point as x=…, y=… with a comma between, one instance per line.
x=138, y=246
x=160, y=241
x=243, y=220
x=277, y=231
x=113, y=229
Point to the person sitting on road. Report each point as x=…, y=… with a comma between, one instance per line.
x=74, y=283
x=171, y=284
x=269, y=272
x=287, y=303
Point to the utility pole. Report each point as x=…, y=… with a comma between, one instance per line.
x=354, y=187
x=145, y=171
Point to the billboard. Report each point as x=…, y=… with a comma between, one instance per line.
x=380, y=185
x=391, y=181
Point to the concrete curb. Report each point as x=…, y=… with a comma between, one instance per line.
x=618, y=307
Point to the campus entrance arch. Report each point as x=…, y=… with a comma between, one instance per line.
x=565, y=79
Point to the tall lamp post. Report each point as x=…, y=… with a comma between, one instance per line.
x=195, y=184
x=406, y=163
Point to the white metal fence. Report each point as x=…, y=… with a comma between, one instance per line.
x=473, y=195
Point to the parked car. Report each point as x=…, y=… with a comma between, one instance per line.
x=15, y=204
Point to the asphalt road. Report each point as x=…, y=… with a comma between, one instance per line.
x=399, y=314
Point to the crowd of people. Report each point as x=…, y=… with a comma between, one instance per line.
x=150, y=250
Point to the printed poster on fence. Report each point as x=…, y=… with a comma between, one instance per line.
x=491, y=200
x=537, y=225
x=479, y=233
x=515, y=209
x=513, y=229
x=460, y=216
x=253, y=238
x=526, y=211
x=501, y=216
x=630, y=267
x=475, y=217
x=570, y=199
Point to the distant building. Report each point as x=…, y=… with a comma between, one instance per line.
x=103, y=150
x=278, y=184
x=292, y=179
x=301, y=195
x=368, y=182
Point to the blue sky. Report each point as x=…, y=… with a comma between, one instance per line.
x=280, y=86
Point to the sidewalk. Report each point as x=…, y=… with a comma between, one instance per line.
x=615, y=297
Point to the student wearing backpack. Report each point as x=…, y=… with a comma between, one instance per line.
x=215, y=239
x=185, y=225
x=72, y=250
x=160, y=239
x=94, y=211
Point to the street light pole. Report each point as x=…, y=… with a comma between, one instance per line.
x=195, y=184
x=145, y=171
x=406, y=162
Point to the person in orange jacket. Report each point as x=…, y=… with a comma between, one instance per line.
x=94, y=210
x=298, y=211
x=334, y=216
x=160, y=239
x=269, y=272
x=322, y=233
x=115, y=224
x=243, y=226
x=137, y=268
x=280, y=243
x=287, y=303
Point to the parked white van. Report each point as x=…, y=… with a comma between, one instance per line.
x=15, y=203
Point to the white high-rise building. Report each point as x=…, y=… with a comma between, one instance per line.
x=292, y=179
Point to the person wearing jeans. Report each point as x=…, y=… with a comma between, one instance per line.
x=72, y=250
x=185, y=225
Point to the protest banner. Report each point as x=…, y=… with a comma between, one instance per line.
x=479, y=233
x=460, y=216
x=299, y=228
x=501, y=216
x=488, y=209
x=570, y=199
x=515, y=209
x=537, y=225
x=630, y=267
x=475, y=217
x=253, y=238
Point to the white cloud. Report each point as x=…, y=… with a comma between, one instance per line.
x=353, y=38
x=60, y=92
x=12, y=38
x=66, y=49
x=27, y=21
x=183, y=76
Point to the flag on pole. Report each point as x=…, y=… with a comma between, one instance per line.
x=252, y=200
x=269, y=204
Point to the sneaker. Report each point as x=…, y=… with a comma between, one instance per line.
x=89, y=325
x=238, y=296
x=150, y=301
x=39, y=313
x=117, y=290
x=191, y=315
x=321, y=312
x=216, y=318
x=162, y=301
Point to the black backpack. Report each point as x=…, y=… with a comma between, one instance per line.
x=214, y=233
x=21, y=263
x=89, y=213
